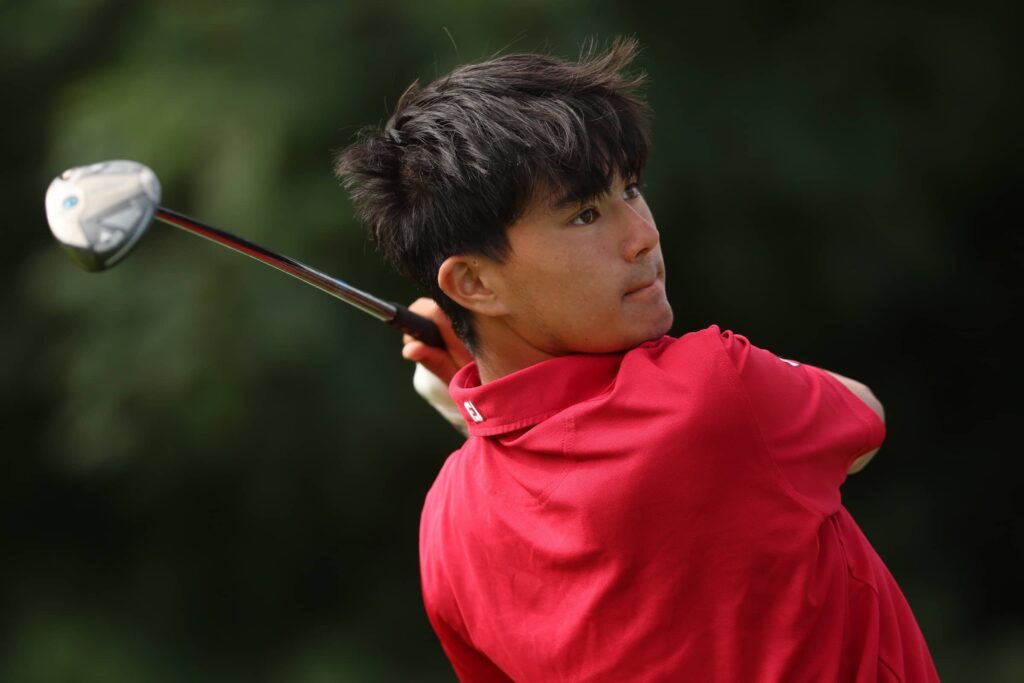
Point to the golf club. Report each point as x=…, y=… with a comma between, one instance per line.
x=98, y=212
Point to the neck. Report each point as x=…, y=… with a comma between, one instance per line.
x=502, y=351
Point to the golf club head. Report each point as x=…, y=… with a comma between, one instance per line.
x=98, y=212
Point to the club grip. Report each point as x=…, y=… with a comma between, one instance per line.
x=418, y=326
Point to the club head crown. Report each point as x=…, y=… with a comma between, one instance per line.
x=98, y=212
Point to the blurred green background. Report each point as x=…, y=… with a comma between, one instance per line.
x=214, y=473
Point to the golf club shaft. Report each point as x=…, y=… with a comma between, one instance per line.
x=396, y=315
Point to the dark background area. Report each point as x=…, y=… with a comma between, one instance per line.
x=214, y=473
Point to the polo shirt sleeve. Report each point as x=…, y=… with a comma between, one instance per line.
x=439, y=601
x=470, y=665
x=812, y=425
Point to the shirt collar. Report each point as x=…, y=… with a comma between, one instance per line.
x=533, y=394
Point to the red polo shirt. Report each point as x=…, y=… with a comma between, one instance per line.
x=671, y=513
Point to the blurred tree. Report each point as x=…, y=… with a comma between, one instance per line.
x=214, y=473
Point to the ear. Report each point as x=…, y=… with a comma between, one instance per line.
x=465, y=280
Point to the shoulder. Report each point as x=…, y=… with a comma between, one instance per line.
x=443, y=482
x=712, y=337
x=455, y=492
x=690, y=376
x=694, y=353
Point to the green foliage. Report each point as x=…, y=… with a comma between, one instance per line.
x=214, y=473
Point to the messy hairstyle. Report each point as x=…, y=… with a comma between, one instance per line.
x=462, y=159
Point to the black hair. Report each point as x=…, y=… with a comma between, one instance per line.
x=461, y=159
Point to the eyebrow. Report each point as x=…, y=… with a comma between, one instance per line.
x=572, y=200
x=569, y=199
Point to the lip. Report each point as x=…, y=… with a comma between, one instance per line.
x=643, y=288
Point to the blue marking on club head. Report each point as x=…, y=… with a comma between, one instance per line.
x=70, y=202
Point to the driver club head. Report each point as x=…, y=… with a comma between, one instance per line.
x=98, y=212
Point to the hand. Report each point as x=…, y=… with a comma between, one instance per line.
x=444, y=363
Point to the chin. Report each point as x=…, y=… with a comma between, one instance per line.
x=656, y=328
x=632, y=336
x=654, y=333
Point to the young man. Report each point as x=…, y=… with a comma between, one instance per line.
x=628, y=506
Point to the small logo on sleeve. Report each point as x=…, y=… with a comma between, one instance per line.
x=790, y=362
x=473, y=412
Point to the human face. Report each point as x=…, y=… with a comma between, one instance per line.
x=585, y=278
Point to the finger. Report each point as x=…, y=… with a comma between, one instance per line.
x=437, y=361
x=434, y=360
x=428, y=308
x=412, y=349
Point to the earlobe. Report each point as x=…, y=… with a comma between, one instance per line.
x=464, y=280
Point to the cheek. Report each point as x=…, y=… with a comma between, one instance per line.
x=570, y=302
x=558, y=279
x=571, y=287
x=596, y=309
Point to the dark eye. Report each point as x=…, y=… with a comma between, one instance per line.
x=632, y=191
x=586, y=218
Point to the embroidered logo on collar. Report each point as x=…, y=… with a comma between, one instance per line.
x=473, y=412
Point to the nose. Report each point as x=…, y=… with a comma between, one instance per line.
x=641, y=233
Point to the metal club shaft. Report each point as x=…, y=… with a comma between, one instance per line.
x=395, y=314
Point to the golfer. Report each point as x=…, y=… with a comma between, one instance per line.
x=628, y=506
